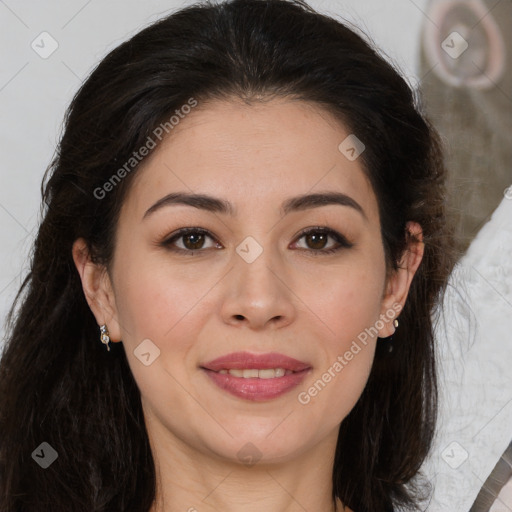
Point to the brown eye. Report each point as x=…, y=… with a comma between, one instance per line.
x=192, y=239
x=316, y=240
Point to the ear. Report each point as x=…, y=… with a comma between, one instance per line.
x=97, y=288
x=398, y=284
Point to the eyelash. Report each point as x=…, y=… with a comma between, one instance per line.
x=339, y=238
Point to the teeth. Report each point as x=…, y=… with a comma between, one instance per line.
x=269, y=373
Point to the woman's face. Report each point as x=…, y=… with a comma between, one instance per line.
x=250, y=280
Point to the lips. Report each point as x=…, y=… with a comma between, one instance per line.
x=248, y=361
x=247, y=376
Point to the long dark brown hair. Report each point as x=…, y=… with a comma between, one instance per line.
x=59, y=385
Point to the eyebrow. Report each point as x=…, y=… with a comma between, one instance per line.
x=293, y=204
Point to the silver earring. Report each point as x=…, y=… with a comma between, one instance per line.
x=389, y=339
x=390, y=344
x=104, y=336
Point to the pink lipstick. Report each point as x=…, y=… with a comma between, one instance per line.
x=256, y=377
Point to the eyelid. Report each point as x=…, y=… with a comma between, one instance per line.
x=343, y=242
x=176, y=235
x=340, y=239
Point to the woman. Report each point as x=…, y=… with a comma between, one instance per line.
x=230, y=296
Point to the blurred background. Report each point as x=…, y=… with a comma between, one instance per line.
x=458, y=51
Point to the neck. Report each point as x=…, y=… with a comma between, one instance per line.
x=201, y=481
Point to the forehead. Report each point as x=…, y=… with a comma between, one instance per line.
x=253, y=155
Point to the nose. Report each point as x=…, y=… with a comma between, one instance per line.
x=258, y=294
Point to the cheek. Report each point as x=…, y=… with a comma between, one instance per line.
x=156, y=300
x=347, y=300
x=347, y=305
x=164, y=307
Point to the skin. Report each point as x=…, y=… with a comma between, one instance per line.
x=195, y=308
